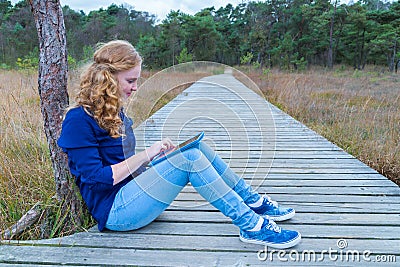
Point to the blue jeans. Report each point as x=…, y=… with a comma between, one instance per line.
x=144, y=198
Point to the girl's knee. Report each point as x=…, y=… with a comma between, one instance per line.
x=192, y=154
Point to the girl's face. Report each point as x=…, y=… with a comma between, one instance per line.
x=127, y=80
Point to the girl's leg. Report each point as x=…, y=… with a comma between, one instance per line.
x=209, y=183
x=144, y=198
x=205, y=176
x=235, y=182
x=261, y=205
x=140, y=201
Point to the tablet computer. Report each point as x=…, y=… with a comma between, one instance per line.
x=191, y=142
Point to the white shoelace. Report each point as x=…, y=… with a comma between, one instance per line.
x=273, y=203
x=273, y=226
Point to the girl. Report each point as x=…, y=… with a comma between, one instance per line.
x=119, y=191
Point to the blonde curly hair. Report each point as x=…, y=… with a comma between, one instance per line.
x=99, y=89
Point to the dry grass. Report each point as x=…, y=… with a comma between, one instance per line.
x=359, y=111
x=25, y=167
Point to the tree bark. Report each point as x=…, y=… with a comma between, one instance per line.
x=330, y=50
x=393, y=63
x=53, y=70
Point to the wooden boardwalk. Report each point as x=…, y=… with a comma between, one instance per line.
x=347, y=213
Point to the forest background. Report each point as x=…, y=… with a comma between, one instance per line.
x=288, y=34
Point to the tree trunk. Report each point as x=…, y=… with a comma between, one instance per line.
x=330, y=50
x=393, y=63
x=53, y=93
x=363, y=52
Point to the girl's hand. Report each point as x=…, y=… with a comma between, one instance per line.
x=158, y=147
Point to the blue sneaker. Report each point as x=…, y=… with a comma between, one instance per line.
x=271, y=235
x=271, y=210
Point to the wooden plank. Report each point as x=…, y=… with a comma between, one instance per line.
x=321, y=176
x=209, y=243
x=254, y=162
x=374, y=208
x=269, y=170
x=322, y=197
x=338, y=190
x=218, y=229
x=300, y=218
x=333, y=182
x=140, y=257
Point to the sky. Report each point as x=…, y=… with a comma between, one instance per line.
x=160, y=8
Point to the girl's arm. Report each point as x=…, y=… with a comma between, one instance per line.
x=125, y=168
